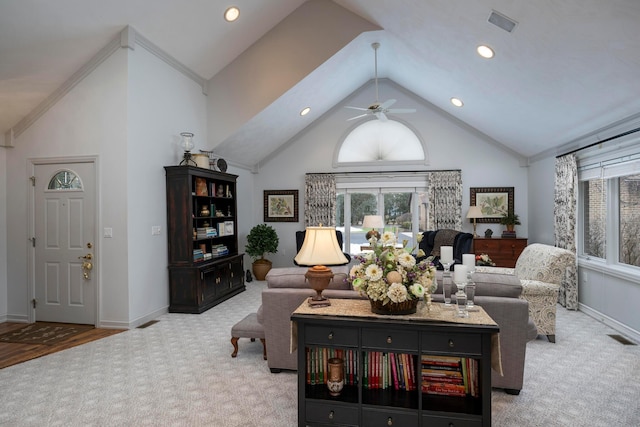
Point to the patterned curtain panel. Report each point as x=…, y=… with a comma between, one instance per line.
x=565, y=216
x=445, y=200
x=320, y=200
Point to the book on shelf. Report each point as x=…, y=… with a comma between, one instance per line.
x=449, y=376
x=508, y=234
x=206, y=232
x=201, y=187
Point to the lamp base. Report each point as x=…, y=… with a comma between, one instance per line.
x=319, y=277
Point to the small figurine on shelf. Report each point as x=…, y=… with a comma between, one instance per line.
x=204, y=211
x=488, y=233
x=220, y=192
x=229, y=211
x=219, y=213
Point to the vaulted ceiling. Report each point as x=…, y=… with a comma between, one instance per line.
x=567, y=69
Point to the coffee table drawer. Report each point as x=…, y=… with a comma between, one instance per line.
x=390, y=339
x=470, y=344
x=373, y=417
x=330, y=413
x=330, y=335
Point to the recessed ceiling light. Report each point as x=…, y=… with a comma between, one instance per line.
x=231, y=14
x=485, y=51
x=305, y=111
x=457, y=102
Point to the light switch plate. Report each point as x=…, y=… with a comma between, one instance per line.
x=155, y=230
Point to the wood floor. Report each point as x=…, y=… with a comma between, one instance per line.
x=14, y=353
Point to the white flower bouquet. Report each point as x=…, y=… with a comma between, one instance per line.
x=390, y=274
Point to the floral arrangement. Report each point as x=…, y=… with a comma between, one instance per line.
x=484, y=260
x=391, y=274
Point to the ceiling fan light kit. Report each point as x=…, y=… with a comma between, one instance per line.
x=380, y=110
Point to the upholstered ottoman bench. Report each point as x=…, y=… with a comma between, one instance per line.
x=249, y=327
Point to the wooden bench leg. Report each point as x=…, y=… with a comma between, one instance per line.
x=264, y=349
x=234, y=341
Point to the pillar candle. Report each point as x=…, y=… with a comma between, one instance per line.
x=469, y=260
x=460, y=273
x=446, y=254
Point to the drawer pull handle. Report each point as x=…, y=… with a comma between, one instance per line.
x=389, y=340
x=451, y=343
x=389, y=421
x=451, y=425
x=331, y=415
x=330, y=335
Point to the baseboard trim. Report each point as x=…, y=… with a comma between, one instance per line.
x=628, y=332
x=110, y=324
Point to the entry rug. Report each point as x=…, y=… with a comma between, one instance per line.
x=44, y=333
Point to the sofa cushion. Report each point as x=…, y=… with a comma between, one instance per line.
x=293, y=277
x=488, y=284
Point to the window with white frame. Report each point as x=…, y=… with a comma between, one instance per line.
x=399, y=197
x=609, y=197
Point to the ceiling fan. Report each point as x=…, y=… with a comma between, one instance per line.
x=378, y=109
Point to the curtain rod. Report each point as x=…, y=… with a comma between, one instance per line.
x=620, y=135
x=382, y=172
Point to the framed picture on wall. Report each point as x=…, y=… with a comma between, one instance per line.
x=494, y=202
x=280, y=205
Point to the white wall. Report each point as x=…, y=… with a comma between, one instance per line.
x=541, y=184
x=162, y=102
x=450, y=145
x=89, y=120
x=3, y=235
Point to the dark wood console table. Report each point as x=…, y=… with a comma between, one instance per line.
x=504, y=252
x=372, y=346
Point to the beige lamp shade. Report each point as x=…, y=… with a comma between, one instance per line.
x=320, y=247
x=372, y=221
x=474, y=212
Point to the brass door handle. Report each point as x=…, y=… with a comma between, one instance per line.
x=87, y=265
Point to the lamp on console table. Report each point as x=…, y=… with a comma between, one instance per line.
x=373, y=222
x=474, y=212
x=320, y=248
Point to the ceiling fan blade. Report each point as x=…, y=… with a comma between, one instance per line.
x=356, y=108
x=388, y=103
x=401, y=110
x=381, y=116
x=357, y=117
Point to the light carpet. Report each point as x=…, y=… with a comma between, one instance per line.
x=179, y=372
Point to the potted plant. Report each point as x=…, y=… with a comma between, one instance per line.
x=261, y=239
x=510, y=220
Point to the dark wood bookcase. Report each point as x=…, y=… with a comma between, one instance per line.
x=202, y=219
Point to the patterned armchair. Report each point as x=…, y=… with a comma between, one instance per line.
x=542, y=270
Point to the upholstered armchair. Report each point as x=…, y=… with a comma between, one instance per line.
x=542, y=270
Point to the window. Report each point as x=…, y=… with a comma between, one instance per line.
x=610, y=205
x=401, y=199
x=65, y=180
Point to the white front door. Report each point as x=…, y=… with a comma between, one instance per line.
x=65, y=221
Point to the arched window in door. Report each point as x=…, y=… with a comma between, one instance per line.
x=65, y=180
x=376, y=142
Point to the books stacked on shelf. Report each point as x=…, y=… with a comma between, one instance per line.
x=449, y=375
x=206, y=232
x=317, y=367
x=508, y=234
x=207, y=256
x=198, y=255
x=219, y=250
x=389, y=370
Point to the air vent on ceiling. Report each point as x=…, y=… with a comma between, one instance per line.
x=500, y=20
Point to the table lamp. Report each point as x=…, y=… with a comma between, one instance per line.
x=372, y=222
x=474, y=212
x=320, y=248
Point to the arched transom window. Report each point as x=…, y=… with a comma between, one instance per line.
x=375, y=140
x=65, y=180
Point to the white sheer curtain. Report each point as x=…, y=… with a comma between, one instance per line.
x=565, y=217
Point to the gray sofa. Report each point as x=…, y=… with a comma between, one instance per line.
x=497, y=294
